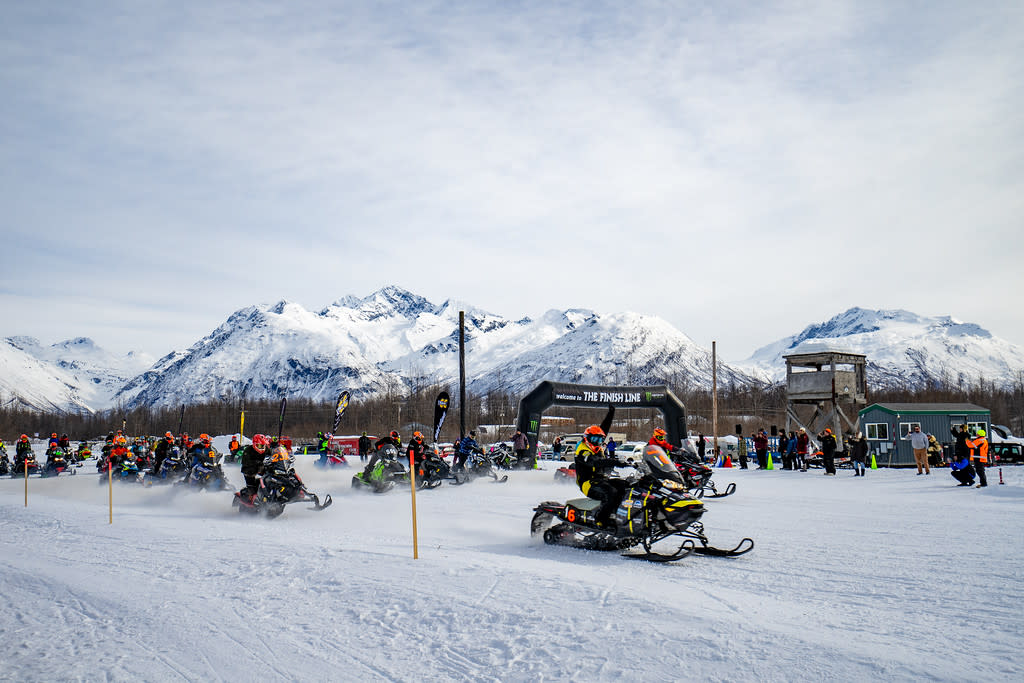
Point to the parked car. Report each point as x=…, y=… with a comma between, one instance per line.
x=630, y=452
x=1007, y=454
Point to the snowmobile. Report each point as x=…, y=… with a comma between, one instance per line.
x=503, y=457
x=278, y=488
x=386, y=471
x=57, y=462
x=207, y=475
x=84, y=452
x=5, y=461
x=478, y=464
x=655, y=507
x=126, y=472
x=432, y=471
x=172, y=468
x=566, y=474
x=19, y=466
x=697, y=478
x=331, y=459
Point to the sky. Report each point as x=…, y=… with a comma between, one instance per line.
x=740, y=170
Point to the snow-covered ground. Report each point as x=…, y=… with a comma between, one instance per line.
x=887, y=577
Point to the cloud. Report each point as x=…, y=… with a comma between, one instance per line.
x=706, y=163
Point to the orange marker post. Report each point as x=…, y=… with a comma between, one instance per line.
x=110, y=489
x=26, y=482
x=412, y=480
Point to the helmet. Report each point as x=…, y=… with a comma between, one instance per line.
x=53, y=436
x=169, y=436
x=594, y=436
x=23, y=437
x=416, y=436
x=204, y=439
x=981, y=432
x=827, y=430
x=394, y=434
x=659, y=434
x=320, y=434
x=121, y=441
x=364, y=433
x=472, y=433
x=260, y=442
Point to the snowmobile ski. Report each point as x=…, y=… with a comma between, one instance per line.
x=744, y=546
x=709, y=491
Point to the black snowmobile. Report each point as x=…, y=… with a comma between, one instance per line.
x=19, y=465
x=479, y=464
x=57, y=462
x=697, y=478
x=5, y=461
x=432, y=471
x=655, y=507
x=278, y=488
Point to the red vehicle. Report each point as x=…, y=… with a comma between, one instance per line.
x=566, y=474
x=348, y=445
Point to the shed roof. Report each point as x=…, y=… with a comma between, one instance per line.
x=910, y=408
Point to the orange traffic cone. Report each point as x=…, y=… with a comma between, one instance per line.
x=728, y=463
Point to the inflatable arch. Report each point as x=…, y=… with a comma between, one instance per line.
x=547, y=394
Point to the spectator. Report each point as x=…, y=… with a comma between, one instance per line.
x=828, y=451
x=521, y=444
x=789, y=460
x=961, y=451
x=741, y=451
x=980, y=449
x=859, y=454
x=702, y=447
x=961, y=470
x=364, y=447
x=761, y=449
x=802, y=443
x=934, y=451
x=919, y=442
x=610, y=446
x=556, y=448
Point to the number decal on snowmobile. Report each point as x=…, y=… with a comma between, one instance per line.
x=571, y=515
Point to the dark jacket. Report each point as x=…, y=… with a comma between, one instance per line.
x=591, y=466
x=828, y=445
x=252, y=460
x=760, y=442
x=859, y=452
x=364, y=445
x=381, y=443
x=520, y=442
x=960, y=449
x=417, y=451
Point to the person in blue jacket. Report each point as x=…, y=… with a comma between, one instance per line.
x=962, y=471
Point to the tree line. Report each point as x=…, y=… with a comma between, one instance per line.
x=752, y=407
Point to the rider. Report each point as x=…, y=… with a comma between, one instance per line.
x=592, y=466
x=163, y=449
x=660, y=439
x=252, y=464
x=23, y=451
x=201, y=451
x=464, y=448
x=393, y=439
x=119, y=452
x=323, y=445
x=417, y=450
x=234, y=446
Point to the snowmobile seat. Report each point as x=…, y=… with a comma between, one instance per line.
x=585, y=504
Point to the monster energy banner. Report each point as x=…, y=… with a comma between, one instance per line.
x=440, y=411
x=547, y=394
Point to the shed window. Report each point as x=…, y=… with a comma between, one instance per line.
x=877, y=431
x=975, y=426
x=906, y=428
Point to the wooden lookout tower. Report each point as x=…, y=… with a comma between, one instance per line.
x=825, y=389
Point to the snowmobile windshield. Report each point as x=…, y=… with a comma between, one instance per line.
x=659, y=464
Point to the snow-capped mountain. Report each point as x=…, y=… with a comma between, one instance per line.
x=903, y=349
x=72, y=375
x=393, y=339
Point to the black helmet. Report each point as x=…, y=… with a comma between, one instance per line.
x=472, y=433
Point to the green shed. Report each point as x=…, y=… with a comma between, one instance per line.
x=888, y=425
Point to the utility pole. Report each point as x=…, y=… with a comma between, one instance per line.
x=462, y=374
x=714, y=397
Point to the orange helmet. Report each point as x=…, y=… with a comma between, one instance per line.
x=23, y=437
x=121, y=441
x=204, y=439
x=593, y=436
x=417, y=436
x=659, y=434
x=53, y=436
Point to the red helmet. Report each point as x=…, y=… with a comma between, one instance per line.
x=53, y=436
x=260, y=442
x=659, y=434
x=23, y=437
x=169, y=436
x=394, y=434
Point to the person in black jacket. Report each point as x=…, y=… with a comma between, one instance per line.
x=252, y=464
x=417, y=451
x=364, y=447
x=392, y=439
x=859, y=454
x=828, y=451
x=163, y=449
x=592, y=466
x=961, y=450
